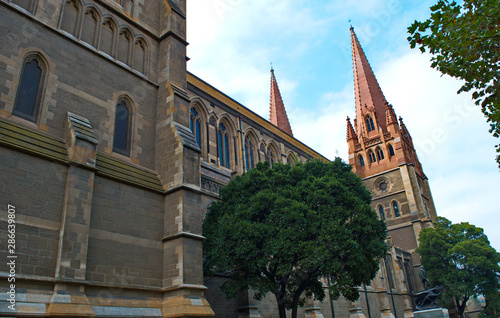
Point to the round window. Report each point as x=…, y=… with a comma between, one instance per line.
x=382, y=186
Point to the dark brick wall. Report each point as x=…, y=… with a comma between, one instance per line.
x=125, y=236
x=81, y=81
x=34, y=186
x=222, y=306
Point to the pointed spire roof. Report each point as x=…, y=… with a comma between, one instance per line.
x=367, y=91
x=351, y=134
x=277, y=112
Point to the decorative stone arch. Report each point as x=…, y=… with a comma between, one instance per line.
x=125, y=45
x=226, y=136
x=108, y=36
x=292, y=158
x=140, y=55
x=30, y=91
x=123, y=119
x=71, y=16
x=200, y=116
x=204, y=211
x=90, y=25
x=213, y=119
x=251, y=149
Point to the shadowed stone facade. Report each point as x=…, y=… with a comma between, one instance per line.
x=110, y=153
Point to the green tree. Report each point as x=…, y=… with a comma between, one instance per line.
x=280, y=229
x=465, y=42
x=459, y=258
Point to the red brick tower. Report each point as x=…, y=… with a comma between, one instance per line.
x=277, y=112
x=381, y=152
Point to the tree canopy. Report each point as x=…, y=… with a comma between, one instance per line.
x=459, y=258
x=281, y=229
x=465, y=42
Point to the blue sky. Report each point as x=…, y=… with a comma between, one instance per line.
x=232, y=43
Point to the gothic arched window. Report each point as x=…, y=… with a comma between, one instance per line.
x=380, y=153
x=371, y=155
x=30, y=89
x=361, y=161
x=223, y=145
x=195, y=125
x=381, y=212
x=121, y=136
x=395, y=207
x=391, y=151
x=249, y=153
x=369, y=123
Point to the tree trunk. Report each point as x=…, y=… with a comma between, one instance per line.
x=296, y=298
x=280, y=299
x=461, y=306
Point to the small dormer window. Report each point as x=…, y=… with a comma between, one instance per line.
x=369, y=124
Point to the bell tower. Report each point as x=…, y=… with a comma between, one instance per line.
x=382, y=153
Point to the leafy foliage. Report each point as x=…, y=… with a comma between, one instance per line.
x=465, y=42
x=280, y=229
x=459, y=258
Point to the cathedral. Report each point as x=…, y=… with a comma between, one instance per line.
x=111, y=151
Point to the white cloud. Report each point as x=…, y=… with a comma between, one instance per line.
x=451, y=137
x=233, y=41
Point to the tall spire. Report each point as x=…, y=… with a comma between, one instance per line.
x=277, y=112
x=367, y=91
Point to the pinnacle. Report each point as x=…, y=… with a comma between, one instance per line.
x=277, y=112
x=351, y=134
